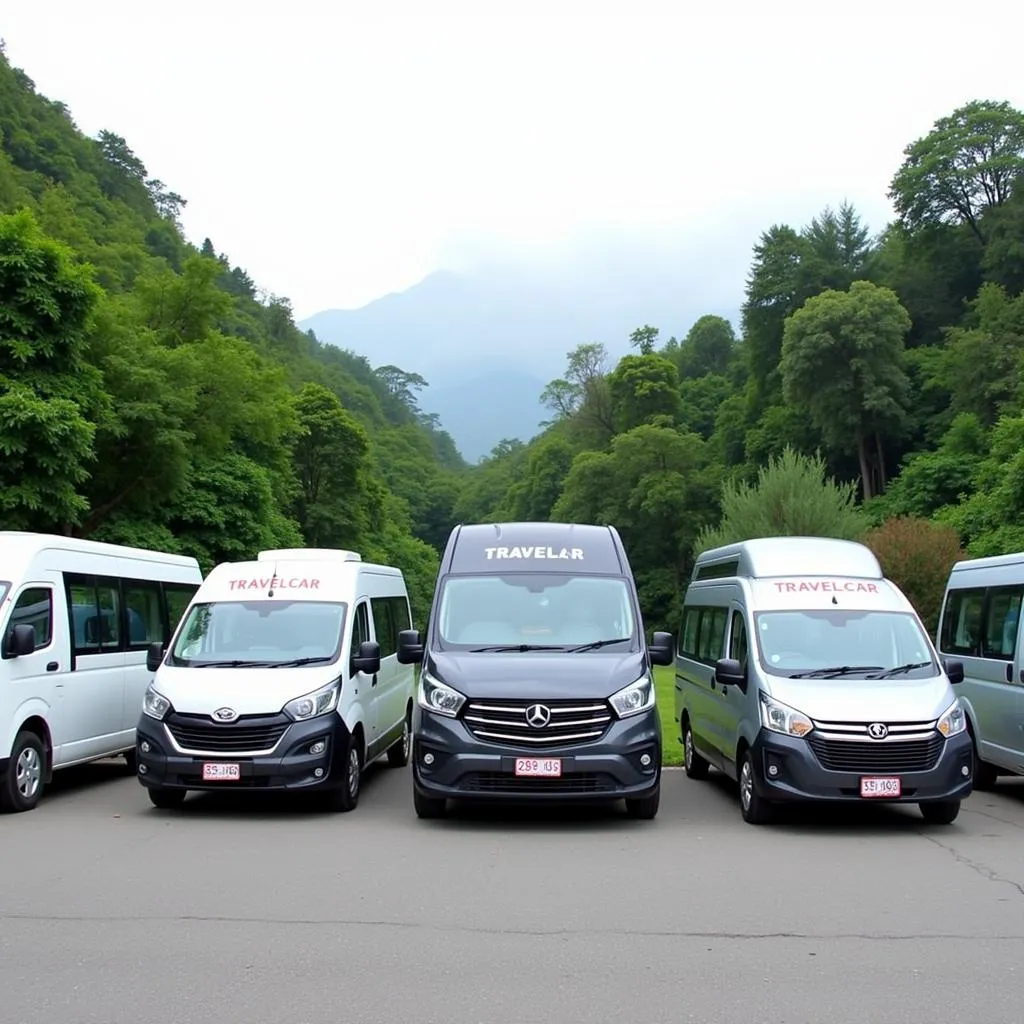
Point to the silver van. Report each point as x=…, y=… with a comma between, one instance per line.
x=805, y=675
x=980, y=626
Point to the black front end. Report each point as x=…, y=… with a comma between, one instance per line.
x=255, y=752
x=570, y=748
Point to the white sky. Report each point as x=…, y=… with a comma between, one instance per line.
x=339, y=155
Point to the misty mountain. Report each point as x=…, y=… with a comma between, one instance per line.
x=487, y=341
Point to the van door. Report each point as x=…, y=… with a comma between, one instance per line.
x=367, y=685
x=390, y=681
x=35, y=677
x=732, y=702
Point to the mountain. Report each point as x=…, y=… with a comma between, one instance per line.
x=488, y=340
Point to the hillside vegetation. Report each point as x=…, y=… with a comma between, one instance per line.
x=151, y=393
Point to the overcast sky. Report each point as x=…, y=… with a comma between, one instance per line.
x=339, y=155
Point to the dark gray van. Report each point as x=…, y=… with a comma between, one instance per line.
x=537, y=681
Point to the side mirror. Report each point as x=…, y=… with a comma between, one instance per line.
x=410, y=647
x=368, y=658
x=662, y=649
x=729, y=672
x=21, y=640
x=154, y=655
x=954, y=671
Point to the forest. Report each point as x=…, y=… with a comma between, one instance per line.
x=151, y=393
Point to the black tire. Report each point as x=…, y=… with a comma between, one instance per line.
x=755, y=809
x=940, y=812
x=398, y=753
x=428, y=807
x=644, y=808
x=131, y=761
x=166, y=799
x=22, y=786
x=695, y=765
x=985, y=775
x=344, y=797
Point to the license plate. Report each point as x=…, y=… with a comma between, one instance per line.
x=221, y=772
x=539, y=766
x=884, y=787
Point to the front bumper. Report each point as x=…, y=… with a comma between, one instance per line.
x=466, y=768
x=801, y=776
x=289, y=766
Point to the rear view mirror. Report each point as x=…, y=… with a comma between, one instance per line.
x=410, y=647
x=21, y=640
x=662, y=649
x=367, y=658
x=954, y=671
x=729, y=672
x=154, y=655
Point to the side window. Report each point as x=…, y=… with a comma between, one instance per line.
x=384, y=625
x=738, y=639
x=360, y=627
x=711, y=634
x=34, y=607
x=961, y=622
x=95, y=609
x=688, y=634
x=176, y=597
x=400, y=616
x=145, y=616
x=999, y=639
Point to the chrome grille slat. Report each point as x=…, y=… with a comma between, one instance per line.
x=505, y=721
x=877, y=757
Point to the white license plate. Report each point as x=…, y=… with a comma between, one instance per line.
x=550, y=767
x=880, y=787
x=221, y=772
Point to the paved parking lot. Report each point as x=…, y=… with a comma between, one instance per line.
x=254, y=911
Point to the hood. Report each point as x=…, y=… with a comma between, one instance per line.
x=250, y=691
x=540, y=676
x=865, y=700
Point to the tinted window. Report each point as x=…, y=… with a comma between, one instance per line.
x=383, y=623
x=34, y=607
x=95, y=608
x=176, y=597
x=688, y=634
x=962, y=622
x=711, y=634
x=144, y=611
x=360, y=628
x=400, y=615
x=1002, y=618
x=738, y=639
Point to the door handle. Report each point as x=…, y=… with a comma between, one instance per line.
x=374, y=683
x=52, y=667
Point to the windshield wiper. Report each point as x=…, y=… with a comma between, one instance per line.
x=599, y=643
x=832, y=673
x=899, y=669
x=518, y=647
x=295, y=662
x=237, y=663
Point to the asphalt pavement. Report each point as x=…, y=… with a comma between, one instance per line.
x=261, y=911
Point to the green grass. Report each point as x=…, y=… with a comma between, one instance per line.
x=664, y=681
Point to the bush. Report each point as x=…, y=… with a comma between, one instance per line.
x=793, y=497
x=917, y=555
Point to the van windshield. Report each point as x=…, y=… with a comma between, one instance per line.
x=868, y=643
x=543, y=609
x=271, y=634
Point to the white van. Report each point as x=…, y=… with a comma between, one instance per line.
x=805, y=675
x=76, y=620
x=283, y=675
x=980, y=624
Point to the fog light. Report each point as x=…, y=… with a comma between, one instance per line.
x=318, y=772
x=319, y=747
x=428, y=758
x=144, y=746
x=143, y=769
x=965, y=771
x=773, y=770
x=645, y=759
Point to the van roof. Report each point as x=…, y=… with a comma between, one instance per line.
x=767, y=557
x=577, y=548
x=21, y=546
x=1015, y=558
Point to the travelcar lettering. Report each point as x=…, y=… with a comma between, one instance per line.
x=827, y=587
x=275, y=583
x=572, y=554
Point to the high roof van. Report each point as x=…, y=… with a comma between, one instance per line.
x=537, y=681
x=283, y=675
x=806, y=676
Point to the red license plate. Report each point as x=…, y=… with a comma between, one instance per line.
x=221, y=772
x=885, y=788
x=539, y=767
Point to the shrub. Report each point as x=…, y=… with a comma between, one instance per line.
x=917, y=555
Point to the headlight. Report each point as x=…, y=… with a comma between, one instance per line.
x=435, y=696
x=154, y=704
x=778, y=717
x=312, y=705
x=953, y=721
x=632, y=699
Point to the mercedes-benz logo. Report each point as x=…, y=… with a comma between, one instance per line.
x=537, y=715
x=225, y=714
x=878, y=731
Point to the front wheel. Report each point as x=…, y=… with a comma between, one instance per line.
x=345, y=797
x=755, y=809
x=166, y=799
x=644, y=808
x=22, y=786
x=940, y=812
x=398, y=753
x=696, y=766
x=428, y=807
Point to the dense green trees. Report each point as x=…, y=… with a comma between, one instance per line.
x=148, y=394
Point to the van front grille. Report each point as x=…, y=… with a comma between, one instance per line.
x=502, y=782
x=892, y=757
x=537, y=724
x=198, y=734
